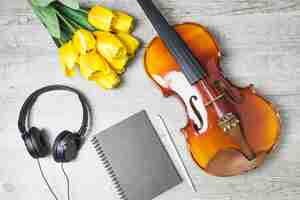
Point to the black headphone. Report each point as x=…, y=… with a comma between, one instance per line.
x=66, y=144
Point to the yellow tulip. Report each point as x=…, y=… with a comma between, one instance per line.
x=101, y=18
x=110, y=46
x=67, y=58
x=84, y=41
x=108, y=79
x=118, y=64
x=131, y=42
x=123, y=22
x=91, y=63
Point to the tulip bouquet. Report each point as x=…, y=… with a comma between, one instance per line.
x=98, y=41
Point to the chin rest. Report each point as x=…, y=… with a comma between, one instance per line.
x=231, y=162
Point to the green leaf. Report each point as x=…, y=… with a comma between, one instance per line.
x=77, y=16
x=49, y=18
x=41, y=3
x=71, y=3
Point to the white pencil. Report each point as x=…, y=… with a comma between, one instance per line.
x=178, y=157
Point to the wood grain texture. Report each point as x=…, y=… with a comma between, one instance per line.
x=260, y=42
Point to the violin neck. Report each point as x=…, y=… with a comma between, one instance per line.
x=190, y=66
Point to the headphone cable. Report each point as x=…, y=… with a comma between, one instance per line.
x=46, y=181
x=67, y=179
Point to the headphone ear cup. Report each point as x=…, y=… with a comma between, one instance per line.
x=65, y=148
x=36, y=143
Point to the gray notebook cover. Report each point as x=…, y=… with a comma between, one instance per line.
x=135, y=158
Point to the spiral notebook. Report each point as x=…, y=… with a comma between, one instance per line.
x=135, y=158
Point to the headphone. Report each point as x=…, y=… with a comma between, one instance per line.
x=66, y=144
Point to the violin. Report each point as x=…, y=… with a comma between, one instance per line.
x=230, y=130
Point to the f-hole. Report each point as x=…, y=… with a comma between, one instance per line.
x=197, y=113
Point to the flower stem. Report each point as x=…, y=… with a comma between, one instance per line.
x=57, y=42
x=66, y=22
x=83, y=10
x=75, y=24
x=60, y=42
x=79, y=16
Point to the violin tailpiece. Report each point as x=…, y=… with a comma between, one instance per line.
x=231, y=125
x=228, y=122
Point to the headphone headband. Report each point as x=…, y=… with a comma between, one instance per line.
x=27, y=106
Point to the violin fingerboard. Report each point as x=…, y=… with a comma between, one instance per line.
x=191, y=68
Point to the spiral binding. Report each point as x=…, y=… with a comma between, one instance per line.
x=109, y=169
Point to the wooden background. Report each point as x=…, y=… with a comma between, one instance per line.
x=260, y=41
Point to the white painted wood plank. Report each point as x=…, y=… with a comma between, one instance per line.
x=192, y=7
x=264, y=52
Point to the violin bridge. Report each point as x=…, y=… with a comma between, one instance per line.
x=231, y=125
x=215, y=99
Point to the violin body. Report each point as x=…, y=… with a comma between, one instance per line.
x=230, y=130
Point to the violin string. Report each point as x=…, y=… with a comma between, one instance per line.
x=67, y=179
x=46, y=181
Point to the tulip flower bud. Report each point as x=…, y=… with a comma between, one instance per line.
x=130, y=42
x=122, y=22
x=101, y=18
x=119, y=64
x=67, y=58
x=107, y=80
x=92, y=63
x=110, y=46
x=84, y=41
